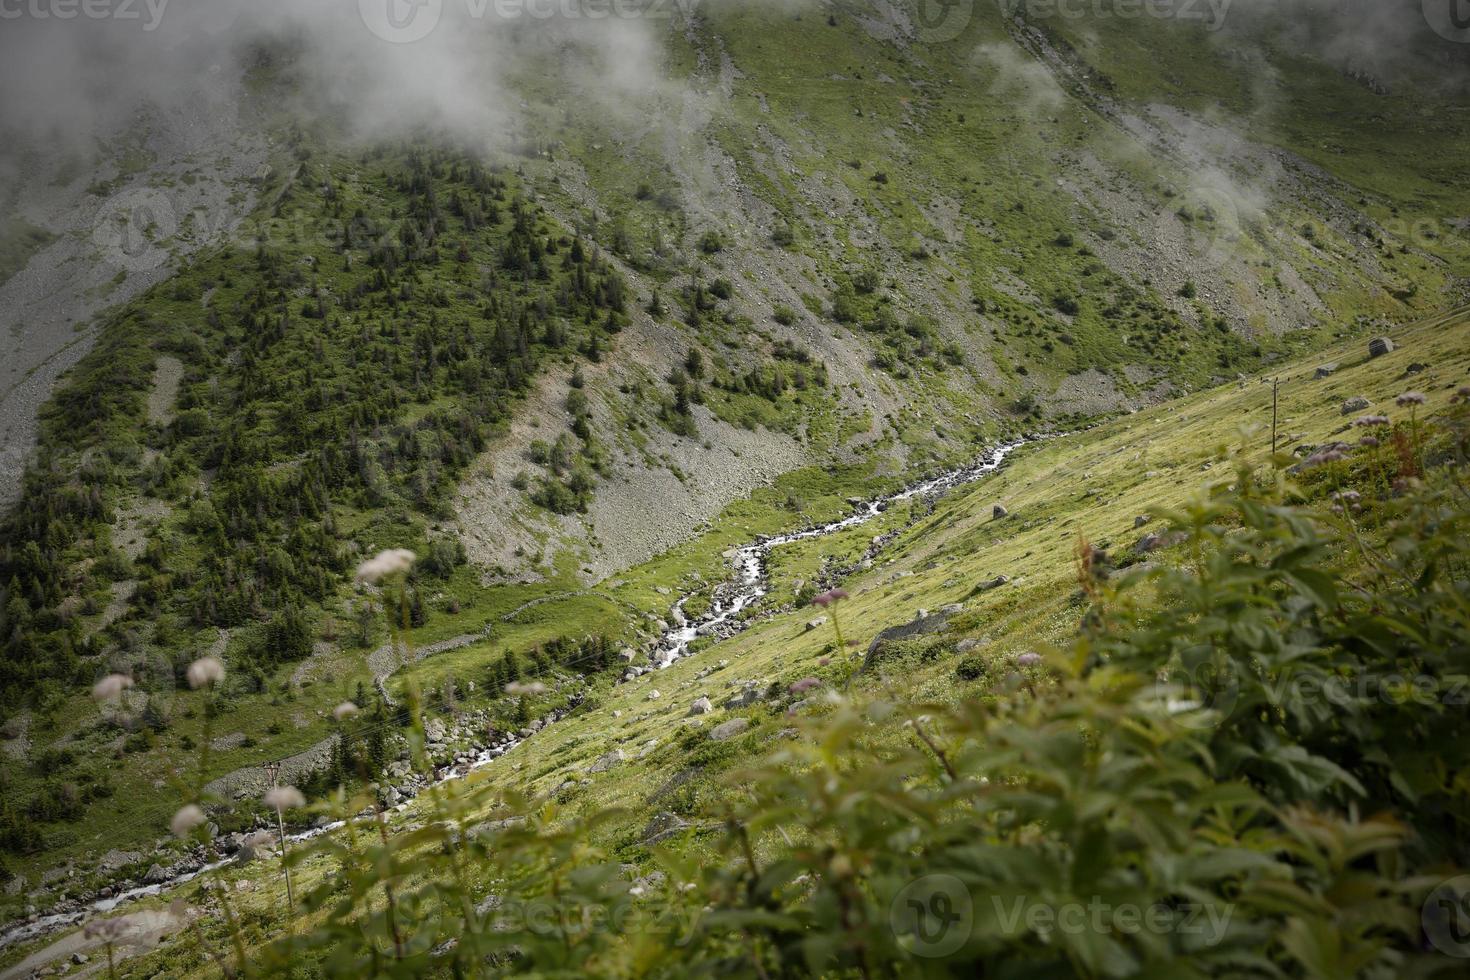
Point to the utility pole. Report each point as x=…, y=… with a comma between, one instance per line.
x=1275, y=402
x=273, y=770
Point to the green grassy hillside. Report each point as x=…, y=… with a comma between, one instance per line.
x=821, y=257
x=1073, y=504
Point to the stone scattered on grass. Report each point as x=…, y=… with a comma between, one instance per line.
x=729, y=729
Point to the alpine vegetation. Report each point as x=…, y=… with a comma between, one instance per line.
x=823, y=488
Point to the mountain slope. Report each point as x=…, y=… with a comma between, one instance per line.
x=816, y=254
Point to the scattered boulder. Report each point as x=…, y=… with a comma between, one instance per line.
x=749, y=694
x=434, y=730
x=729, y=729
x=701, y=706
x=1156, y=542
x=1325, y=371
x=1142, y=519
x=1418, y=367
x=115, y=859
x=1379, y=346
x=916, y=627
x=999, y=511
x=814, y=624
x=992, y=584
x=156, y=875
x=662, y=826
x=966, y=645
x=1357, y=403
x=654, y=695
x=606, y=762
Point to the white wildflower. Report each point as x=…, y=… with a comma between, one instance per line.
x=110, y=688
x=186, y=820
x=284, y=798
x=384, y=564
x=205, y=671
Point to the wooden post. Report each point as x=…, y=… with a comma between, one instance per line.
x=1275, y=401
x=273, y=770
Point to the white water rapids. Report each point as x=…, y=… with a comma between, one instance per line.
x=749, y=585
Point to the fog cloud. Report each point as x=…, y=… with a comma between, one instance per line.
x=74, y=70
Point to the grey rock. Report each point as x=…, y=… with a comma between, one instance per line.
x=1325, y=371
x=999, y=511
x=78, y=958
x=917, y=627
x=115, y=859
x=701, y=706
x=729, y=729
x=434, y=730
x=818, y=623
x=606, y=762
x=1156, y=542
x=966, y=645
x=156, y=875
x=663, y=825
x=994, y=583
x=1355, y=404
x=1379, y=346
x=1142, y=519
x=749, y=695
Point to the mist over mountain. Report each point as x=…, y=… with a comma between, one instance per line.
x=861, y=486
